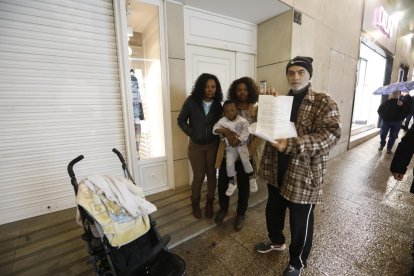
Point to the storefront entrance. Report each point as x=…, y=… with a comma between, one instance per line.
x=370, y=76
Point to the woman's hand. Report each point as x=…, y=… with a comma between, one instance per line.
x=398, y=176
x=234, y=142
x=232, y=137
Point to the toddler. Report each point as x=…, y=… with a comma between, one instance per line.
x=240, y=126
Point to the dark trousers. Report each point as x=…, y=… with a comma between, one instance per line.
x=301, y=226
x=393, y=128
x=242, y=187
x=202, y=159
x=412, y=187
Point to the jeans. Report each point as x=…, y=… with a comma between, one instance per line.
x=393, y=128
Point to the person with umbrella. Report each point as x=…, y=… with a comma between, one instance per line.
x=404, y=86
x=392, y=113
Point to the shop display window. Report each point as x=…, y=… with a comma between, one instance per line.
x=146, y=79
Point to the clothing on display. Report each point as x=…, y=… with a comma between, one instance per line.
x=136, y=99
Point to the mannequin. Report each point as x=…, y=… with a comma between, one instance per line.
x=137, y=106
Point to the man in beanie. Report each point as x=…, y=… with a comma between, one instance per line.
x=294, y=167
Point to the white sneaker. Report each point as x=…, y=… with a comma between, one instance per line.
x=230, y=190
x=253, y=185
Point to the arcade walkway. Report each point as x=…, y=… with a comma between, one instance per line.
x=364, y=227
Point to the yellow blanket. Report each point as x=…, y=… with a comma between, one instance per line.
x=117, y=233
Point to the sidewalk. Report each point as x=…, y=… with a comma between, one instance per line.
x=364, y=226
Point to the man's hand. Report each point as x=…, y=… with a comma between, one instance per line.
x=398, y=176
x=280, y=144
x=269, y=91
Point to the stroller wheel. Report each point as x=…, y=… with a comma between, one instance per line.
x=105, y=270
x=107, y=273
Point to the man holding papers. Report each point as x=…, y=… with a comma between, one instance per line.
x=294, y=167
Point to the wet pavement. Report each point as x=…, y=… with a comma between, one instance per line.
x=364, y=226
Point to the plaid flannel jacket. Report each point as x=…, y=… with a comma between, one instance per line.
x=319, y=129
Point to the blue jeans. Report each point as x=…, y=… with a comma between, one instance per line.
x=393, y=128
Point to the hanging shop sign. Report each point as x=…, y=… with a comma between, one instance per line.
x=383, y=21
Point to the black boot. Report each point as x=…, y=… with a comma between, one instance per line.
x=196, y=208
x=238, y=224
x=220, y=216
x=209, y=208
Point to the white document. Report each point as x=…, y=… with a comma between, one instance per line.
x=273, y=118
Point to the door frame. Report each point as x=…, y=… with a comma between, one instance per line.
x=126, y=94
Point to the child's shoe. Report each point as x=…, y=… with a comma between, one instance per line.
x=253, y=185
x=230, y=190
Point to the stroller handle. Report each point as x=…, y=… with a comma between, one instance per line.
x=121, y=158
x=72, y=163
x=124, y=165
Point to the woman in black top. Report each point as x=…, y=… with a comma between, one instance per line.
x=244, y=93
x=201, y=110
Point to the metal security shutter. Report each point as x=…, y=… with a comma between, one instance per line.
x=59, y=98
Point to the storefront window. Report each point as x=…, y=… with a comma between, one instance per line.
x=371, y=70
x=146, y=80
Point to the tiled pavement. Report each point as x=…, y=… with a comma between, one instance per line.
x=364, y=227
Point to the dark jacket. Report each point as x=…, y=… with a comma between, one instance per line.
x=389, y=111
x=412, y=105
x=403, y=155
x=197, y=125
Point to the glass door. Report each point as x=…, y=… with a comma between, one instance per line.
x=146, y=79
x=370, y=76
x=149, y=94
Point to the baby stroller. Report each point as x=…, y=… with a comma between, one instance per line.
x=146, y=255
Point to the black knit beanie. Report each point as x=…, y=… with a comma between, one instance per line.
x=305, y=62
